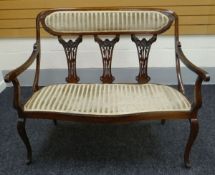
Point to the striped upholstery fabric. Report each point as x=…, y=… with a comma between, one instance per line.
x=105, y=21
x=107, y=99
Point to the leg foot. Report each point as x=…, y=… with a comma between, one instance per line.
x=163, y=121
x=24, y=137
x=194, y=128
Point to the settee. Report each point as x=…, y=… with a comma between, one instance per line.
x=108, y=102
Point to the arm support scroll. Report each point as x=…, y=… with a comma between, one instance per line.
x=201, y=76
x=12, y=77
x=200, y=72
x=16, y=72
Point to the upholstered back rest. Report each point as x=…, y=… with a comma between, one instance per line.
x=88, y=21
x=100, y=21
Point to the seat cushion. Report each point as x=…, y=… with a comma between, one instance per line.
x=107, y=99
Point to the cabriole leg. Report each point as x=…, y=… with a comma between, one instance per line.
x=194, y=128
x=24, y=137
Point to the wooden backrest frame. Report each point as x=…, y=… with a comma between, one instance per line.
x=108, y=78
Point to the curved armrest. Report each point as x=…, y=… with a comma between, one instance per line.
x=12, y=77
x=202, y=76
x=16, y=72
x=200, y=72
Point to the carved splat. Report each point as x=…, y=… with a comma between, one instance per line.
x=143, y=49
x=70, y=48
x=106, y=47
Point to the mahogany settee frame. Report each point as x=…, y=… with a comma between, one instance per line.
x=107, y=77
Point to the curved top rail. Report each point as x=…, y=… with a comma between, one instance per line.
x=106, y=21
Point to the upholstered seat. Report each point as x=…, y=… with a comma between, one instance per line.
x=107, y=99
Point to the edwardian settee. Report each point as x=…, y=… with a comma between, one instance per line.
x=107, y=102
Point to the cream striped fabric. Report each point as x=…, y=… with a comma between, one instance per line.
x=107, y=99
x=106, y=21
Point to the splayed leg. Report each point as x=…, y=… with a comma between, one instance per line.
x=194, y=128
x=24, y=137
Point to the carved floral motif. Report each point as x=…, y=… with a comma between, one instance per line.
x=143, y=49
x=106, y=47
x=70, y=48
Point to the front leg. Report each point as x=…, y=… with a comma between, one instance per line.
x=22, y=133
x=194, y=128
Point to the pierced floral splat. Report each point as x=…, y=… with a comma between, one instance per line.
x=70, y=48
x=143, y=49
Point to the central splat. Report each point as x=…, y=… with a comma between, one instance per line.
x=106, y=47
x=143, y=49
x=70, y=48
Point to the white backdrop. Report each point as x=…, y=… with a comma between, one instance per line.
x=199, y=49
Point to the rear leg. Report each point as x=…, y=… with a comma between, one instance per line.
x=55, y=122
x=163, y=121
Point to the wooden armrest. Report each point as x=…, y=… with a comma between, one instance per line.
x=16, y=72
x=200, y=72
